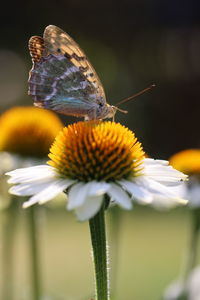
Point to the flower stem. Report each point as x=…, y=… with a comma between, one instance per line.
x=191, y=257
x=9, y=220
x=114, y=234
x=193, y=245
x=36, y=292
x=99, y=248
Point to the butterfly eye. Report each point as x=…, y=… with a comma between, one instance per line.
x=58, y=50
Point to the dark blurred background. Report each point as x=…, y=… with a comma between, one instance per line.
x=131, y=45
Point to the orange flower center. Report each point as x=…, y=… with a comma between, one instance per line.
x=96, y=150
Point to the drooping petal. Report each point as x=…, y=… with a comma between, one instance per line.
x=77, y=195
x=152, y=161
x=159, y=184
x=161, y=171
x=49, y=192
x=38, y=168
x=192, y=192
x=80, y=191
x=31, y=174
x=89, y=208
x=98, y=188
x=138, y=192
x=161, y=202
x=163, y=196
x=27, y=189
x=119, y=196
x=156, y=187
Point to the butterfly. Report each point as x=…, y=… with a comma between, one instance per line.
x=63, y=80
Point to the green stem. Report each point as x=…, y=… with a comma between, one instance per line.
x=33, y=237
x=191, y=257
x=9, y=216
x=193, y=245
x=99, y=247
x=114, y=237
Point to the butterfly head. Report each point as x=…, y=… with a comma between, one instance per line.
x=106, y=111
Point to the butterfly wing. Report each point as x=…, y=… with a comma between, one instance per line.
x=62, y=78
x=55, y=38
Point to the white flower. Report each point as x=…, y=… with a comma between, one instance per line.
x=188, y=161
x=191, y=190
x=175, y=291
x=180, y=288
x=156, y=185
x=94, y=158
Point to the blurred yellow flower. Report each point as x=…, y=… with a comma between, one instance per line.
x=187, y=161
x=28, y=131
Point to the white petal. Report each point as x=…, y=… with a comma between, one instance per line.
x=193, y=193
x=77, y=195
x=163, y=195
x=161, y=202
x=80, y=191
x=27, y=189
x=137, y=191
x=49, y=192
x=32, y=174
x=40, y=168
x=97, y=188
x=161, y=171
x=157, y=187
x=119, y=196
x=151, y=161
x=174, y=291
x=90, y=207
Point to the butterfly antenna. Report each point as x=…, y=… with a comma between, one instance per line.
x=135, y=95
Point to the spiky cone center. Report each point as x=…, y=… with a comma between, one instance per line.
x=187, y=161
x=28, y=131
x=96, y=150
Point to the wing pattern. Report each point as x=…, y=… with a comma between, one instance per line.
x=62, y=78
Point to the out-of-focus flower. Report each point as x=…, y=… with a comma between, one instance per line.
x=188, y=161
x=94, y=158
x=193, y=284
x=28, y=131
x=186, y=287
x=189, y=290
x=175, y=291
x=26, y=135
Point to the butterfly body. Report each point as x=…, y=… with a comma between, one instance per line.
x=62, y=79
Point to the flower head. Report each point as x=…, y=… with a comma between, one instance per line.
x=94, y=158
x=28, y=131
x=188, y=161
x=102, y=151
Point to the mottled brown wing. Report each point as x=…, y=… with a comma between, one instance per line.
x=36, y=48
x=58, y=42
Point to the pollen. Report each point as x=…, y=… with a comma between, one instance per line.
x=187, y=161
x=96, y=150
x=28, y=131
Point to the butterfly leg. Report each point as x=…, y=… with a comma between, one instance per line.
x=91, y=115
